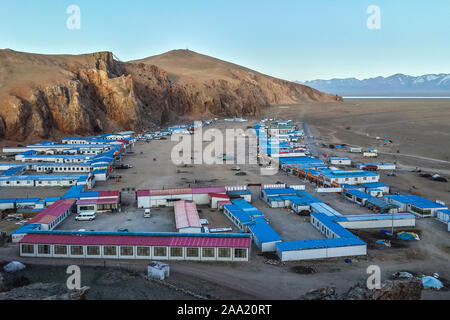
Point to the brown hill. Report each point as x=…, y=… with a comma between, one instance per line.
x=219, y=87
x=51, y=95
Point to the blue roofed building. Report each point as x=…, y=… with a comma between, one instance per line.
x=356, y=196
x=416, y=205
x=264, y=236
x=338, y=177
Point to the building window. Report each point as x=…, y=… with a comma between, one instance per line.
x=192, y=252
x=176, y=252
x=143, y=251
x=240, y=253
x=160, y=251
x=28, y=248
x=43, y=249
x=87, y=208
x=109, y=250
x=62, y=250
x=208, y=252
x=76, y=250
x=93, y=250
x=126, y=251
x=224, y=253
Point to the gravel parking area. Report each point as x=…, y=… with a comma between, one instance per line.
x=162, y=220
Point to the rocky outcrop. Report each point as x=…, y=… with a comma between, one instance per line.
x=399, y=289
x=404, y=289
x=43, y=96
x=44, y=291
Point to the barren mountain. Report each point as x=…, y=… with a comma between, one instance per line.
x=218, y=87
x=395, y=85
x=42, y=96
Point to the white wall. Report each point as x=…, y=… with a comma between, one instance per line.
x=269, y=246
x=368, y=224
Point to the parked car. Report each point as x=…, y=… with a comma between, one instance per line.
x=122, y=230
x=86, y=216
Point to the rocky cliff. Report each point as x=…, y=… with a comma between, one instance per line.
x=43, y=96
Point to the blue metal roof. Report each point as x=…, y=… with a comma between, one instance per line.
x=99, y=171
x=278, y=192
x=246, y=207
x=301, y=245
x=12, y=171
x=333, y=226
x=306, y=195
x=259, y=219
x=26, y=228
x=374, y=185
x=8, y=200
x=290, y=197
x=264, y=232
x=325, y=209
x=380, y=203
x=74, y=192
x=318, y=244
x=416, y=201
x=91, y=194
x=25, y=200
x=339, y=158
x=358, y=193
x=238, y=192
x=351, y=186
x=275, y=199
x=300, y=160
x=45, y=178
x=371, y=217
x=347, y=174
x=241, y=216
x=52, y=199
x=232, y=207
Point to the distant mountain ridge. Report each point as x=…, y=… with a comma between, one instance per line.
x=395, y=85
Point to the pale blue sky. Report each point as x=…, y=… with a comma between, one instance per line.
x=290, y=39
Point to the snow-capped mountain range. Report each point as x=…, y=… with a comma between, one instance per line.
x=395, y=85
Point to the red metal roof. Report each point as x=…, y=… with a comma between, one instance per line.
x=218, y=195
x=121, y=240
x=209, y=190
x=111, y=193
x=186, y=215
x=49, y=214
x=224, y=202
x=98, y=201
x=170, y=192
x=143, y=193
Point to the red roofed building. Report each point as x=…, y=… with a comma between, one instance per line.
x=216, y=197
x=167, y=197
x=113, y=245
x=186, y=217
x=53, y=215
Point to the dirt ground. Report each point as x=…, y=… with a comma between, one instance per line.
x=328, y=122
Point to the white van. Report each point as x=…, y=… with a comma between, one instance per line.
x=86, y=216
x=147, y=213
